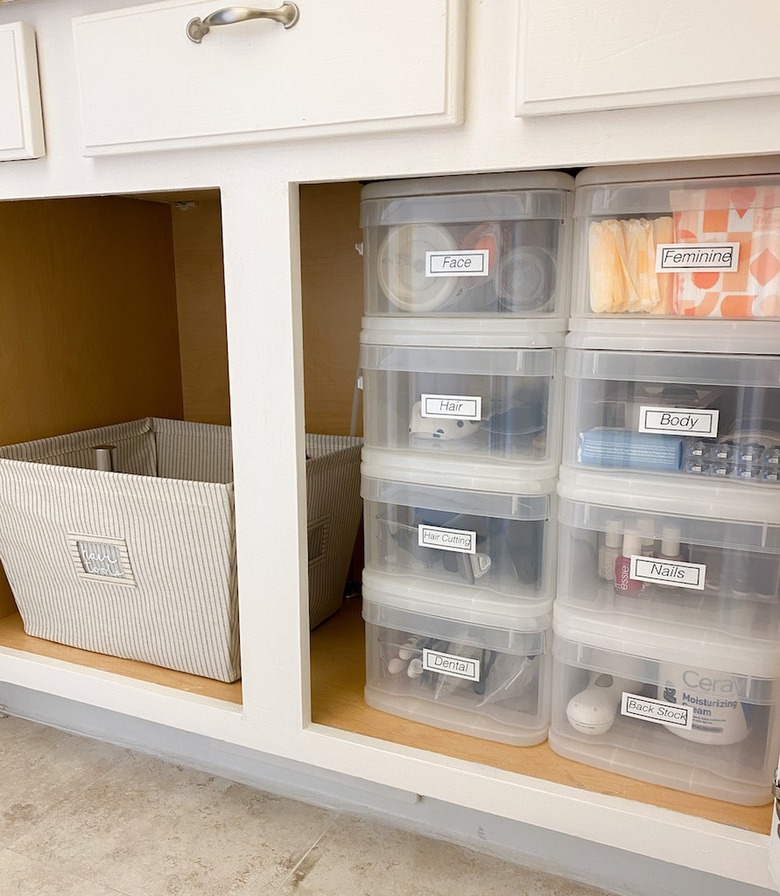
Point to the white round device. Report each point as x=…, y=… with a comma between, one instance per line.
x=593, y=710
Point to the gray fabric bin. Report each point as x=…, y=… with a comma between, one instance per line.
x=141, y=563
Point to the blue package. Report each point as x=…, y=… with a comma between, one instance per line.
x=632, y=450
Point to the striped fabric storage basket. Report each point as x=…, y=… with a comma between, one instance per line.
x=140, y=563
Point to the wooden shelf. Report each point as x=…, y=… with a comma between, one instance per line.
x=12, y=635
x=338, y=677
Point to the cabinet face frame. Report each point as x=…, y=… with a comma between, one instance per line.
x=21, y=115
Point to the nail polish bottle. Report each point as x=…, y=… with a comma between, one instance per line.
x=670, y=548
x=670, y=543
x=609, y=550
x=632, y=546
x=647, y=530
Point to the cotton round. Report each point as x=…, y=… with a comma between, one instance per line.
x=401, y=267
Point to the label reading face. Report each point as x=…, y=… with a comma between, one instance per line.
x=460, y=407
x=651, y=710
x=460, y=541
x=447, y=664
x=704, y=257
x=668, y=572
x=679, y=421
x=472, y=263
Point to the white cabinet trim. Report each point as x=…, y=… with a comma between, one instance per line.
x=21, y=116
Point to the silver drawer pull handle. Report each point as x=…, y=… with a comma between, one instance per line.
x=287, y=14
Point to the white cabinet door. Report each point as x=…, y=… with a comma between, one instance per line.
x=346, y=66
x=580, y=56
x=21, y=121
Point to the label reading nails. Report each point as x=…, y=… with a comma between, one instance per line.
x=668, y=572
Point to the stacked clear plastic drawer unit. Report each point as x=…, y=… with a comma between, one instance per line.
x=666, y=624
x=462, y=369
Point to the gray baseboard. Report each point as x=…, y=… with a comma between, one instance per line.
x=612, y=869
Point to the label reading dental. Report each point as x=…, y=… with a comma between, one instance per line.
x=676, y=573
x=657, y=711
x=447, y=664
x=460, y=541
x=703, y=257
x=472, y=263
x=679, y=421
x=463, y=407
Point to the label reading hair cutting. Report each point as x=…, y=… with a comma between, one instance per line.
x=461, y=541
x=461, y=407
x=679, y=421
x=696, y=257
x=658, y=711
x=447, y=664
x=472, y=263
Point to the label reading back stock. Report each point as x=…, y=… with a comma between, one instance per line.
x=447, y=664
x=679, y=421
x=473, y=263
x=651, y=710
x=462, y=407
x=703, y=257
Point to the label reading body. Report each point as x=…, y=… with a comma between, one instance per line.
x=462, y=407
x=676, y=573
x=658, y=711
x=447, y=664
x=704, y=257
x=472, y=263
x=679, y=421
x=461, y=541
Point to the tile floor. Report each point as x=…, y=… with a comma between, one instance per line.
x=80, y=817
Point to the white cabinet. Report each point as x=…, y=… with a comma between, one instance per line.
x=21, y=121
x=342, y=67
x=577, y=56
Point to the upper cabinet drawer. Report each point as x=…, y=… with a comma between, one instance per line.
x=346, y=66
x=580, y=56
x=21, y=121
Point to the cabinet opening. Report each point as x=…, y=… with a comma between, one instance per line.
x=113, y=311
x=332, y=298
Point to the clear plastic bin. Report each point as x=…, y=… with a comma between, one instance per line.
x=698, y=557
x=463, y=395
x=677, y=241
x=493, y=546
x=486, y=675
x=695, y=715
x=473, y=245
x=690, y=413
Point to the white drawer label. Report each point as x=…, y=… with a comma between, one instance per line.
x=472, y=263
x=461, y=541
x=668, y=572
x=462, y=407
x=696, y=257
x=679, y=421
x=651, y=710
x=447, y=664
